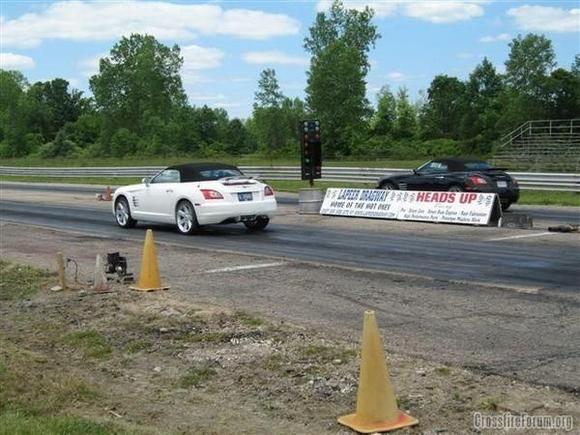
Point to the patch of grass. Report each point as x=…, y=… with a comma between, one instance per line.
x=208, y=337
x=248, y=319
x=101, y=181
x=90, y=343
x=489, y=404
x=137, y=346
x=457, y=397
x=196, y=376
x=326, y=354
x=274, y=362
x=296, y=185
x=29, y=384
x=22, y=423
x=21, y=282
x=444, y=371
x=542, y=197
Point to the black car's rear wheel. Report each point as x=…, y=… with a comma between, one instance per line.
x=388, y=186
x=505, y=205
x=455, y=188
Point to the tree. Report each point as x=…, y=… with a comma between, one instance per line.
x=138, y=81
x=274, y=121
x=576, y=66
x=383, y=120
x=530, y=61
x=445, y=99
x=563, y=94
x=13, y=115
x=339, y=43
x=268, y=93
x=406, y=121
x=481, y=109
x=56, y=105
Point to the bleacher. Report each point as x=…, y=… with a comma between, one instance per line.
x=547, y=145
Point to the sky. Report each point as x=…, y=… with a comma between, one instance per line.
x=226, y=44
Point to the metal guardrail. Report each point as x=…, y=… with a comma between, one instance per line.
x=526, y=180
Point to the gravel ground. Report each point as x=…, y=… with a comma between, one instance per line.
x=166, y=363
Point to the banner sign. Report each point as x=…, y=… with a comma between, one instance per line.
x=451, y=207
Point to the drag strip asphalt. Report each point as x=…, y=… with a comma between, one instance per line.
x=551, y=214
x=447, y=258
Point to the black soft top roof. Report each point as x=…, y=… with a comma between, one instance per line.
x=202, y=171
x=458, y=164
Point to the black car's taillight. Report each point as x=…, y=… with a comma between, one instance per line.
x=476, y=180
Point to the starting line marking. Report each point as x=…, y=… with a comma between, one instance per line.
x=521, y=236
x=247, y=267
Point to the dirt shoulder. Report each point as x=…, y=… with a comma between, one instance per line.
x=165, y=363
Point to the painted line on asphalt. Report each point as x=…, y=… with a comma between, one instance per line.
x=521, y=236
x=246, y=267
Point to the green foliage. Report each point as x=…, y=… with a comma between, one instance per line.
x=139, y=109
x=90, y=343
x=445, y=104
x=138, y=81
x=274, y=125
x=20, y=282
x=23, y=423
x=339, y=42
x=530, y=61
x=383, y=121
x=123, y=142
x=268, y=93
x=197, y=376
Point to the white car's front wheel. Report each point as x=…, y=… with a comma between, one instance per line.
x=185, y=217
x=123, y=213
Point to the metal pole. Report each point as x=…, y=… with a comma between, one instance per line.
x=61, y=274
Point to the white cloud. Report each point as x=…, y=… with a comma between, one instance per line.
x=382, y=8
x=467, y=55
x=73, y=82
x=90, y=65
x=273, y=57
x=196, y=58
x=546, y=18
x=225, y=105
x=396, y=76
x=443, y=11
x=446, y=11
x=495, y=38
x=218, y=97
x=11, y=61
x=96, y=21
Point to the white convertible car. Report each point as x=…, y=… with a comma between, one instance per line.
x=193, y=195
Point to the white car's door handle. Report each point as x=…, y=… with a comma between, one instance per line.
x=169, y=191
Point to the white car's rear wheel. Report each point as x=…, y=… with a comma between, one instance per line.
x=257, y=224
x=185, y=218
x=123, y=213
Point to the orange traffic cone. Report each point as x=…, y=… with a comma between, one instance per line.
x=108, y=194
x=376, y=405
x=149, y=279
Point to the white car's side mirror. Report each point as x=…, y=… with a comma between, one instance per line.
x=145, y=181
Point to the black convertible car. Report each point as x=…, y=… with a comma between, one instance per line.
x=457, y=175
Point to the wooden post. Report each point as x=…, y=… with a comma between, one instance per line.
x=61, y=274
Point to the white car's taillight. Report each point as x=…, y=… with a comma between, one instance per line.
x=268, y=191
x=211, y=194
